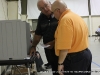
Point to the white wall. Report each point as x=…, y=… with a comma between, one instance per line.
x=13, y=10
x=8, y=8
x=86, y=19
x=3, y=10
x=95, y=23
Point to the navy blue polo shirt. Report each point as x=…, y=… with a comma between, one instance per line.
x=46, y=27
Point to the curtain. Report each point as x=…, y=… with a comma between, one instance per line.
x=95, y=7
x=32, y=10
x=80, y=7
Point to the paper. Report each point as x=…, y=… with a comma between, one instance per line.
x=45, y=46
x=27, y=57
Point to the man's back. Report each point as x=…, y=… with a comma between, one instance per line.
x=76, y=37
x=80, y=32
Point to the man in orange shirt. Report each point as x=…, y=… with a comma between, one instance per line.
x=71, y=41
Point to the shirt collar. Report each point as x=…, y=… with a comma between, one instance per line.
x=65, y=12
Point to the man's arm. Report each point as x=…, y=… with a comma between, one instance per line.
x=36, y=40
x=62, y=56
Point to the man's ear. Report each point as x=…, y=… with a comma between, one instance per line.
x=58, y=10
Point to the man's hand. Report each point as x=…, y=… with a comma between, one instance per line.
x=33, y=50
x=38, y=55
x=51, y=43
x=35, y=42
x=60, y=69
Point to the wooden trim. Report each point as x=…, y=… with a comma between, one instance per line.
x=11, y=0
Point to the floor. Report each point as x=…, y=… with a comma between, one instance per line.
x=94, y=46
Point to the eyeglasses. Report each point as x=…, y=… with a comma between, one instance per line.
x=43, y=8
x=56, y=9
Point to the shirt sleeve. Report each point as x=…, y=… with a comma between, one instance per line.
x=98, y=30
x=64, y=35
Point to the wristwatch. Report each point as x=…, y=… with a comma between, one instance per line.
x=60, y=63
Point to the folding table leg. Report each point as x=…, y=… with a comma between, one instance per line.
x=29, y=71
x=5, y=70
x=18, y=70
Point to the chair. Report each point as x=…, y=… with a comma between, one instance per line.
x=97, y=36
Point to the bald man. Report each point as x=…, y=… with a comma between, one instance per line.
x=46, y=27
x=71, y=42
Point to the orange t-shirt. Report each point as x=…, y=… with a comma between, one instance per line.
x=71, y=33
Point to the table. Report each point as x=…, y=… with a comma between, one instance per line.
x=26, y=62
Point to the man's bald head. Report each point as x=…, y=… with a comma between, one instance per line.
x=58, y=7
x=42, y=2
x=59, y=4
x=44, y=6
